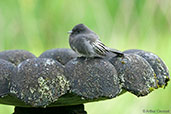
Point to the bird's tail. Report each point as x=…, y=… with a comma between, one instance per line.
x=117, y=52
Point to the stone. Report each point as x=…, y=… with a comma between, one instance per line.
x=92, y=78
x=7, y=69
x=39, y=81
x=135, y=74
x=62, y=55
x=159, y=67
x=16, y=56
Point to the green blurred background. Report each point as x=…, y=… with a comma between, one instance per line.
x=38, y=25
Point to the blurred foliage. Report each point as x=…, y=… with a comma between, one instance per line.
x=38, y=25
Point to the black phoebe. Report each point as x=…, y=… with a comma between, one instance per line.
x=87, y=43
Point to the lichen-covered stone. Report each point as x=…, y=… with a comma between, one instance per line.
x=39, y=81
x=16, y=56
x=131, y=51
x=7, y=69
x=135, y=73
x=92, y=78
x=62, y=55
x=156, y=63
x=45, y=82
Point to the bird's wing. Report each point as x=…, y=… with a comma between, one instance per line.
x=99, y=47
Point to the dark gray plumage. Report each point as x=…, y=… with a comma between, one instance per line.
x=87, y=43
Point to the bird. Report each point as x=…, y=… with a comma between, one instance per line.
x=86, y=43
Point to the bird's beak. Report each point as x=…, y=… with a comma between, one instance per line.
x=69, y=32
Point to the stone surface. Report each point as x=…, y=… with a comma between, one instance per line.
x=39, y=81
x=156, y=63
x=16, y=56
x=135, y=73
x=62, y=55
x=27, y=81
x=7, y=69
x=92, y=78
x=131, y=51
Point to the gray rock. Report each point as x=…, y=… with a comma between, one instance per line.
x=135, y=73
x=92, y=78
x=157, y=64
x=62, y=55
x=131, y=51
x=39, y=81
x=45, y=82
x=7, y=69
x=16, y=56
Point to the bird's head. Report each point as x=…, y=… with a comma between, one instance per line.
x=79, y=29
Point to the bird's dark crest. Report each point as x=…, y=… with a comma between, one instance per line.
x=80, y=28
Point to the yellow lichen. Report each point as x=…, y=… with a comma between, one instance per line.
x=151, y=89
x=122, y=62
